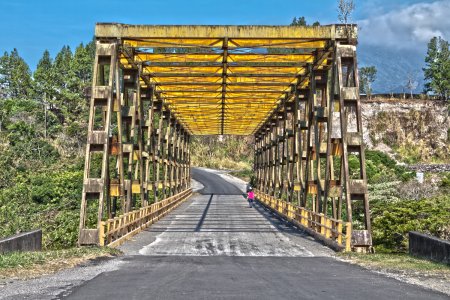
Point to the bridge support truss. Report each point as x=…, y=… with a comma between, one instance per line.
x=295, y=88
x=303, y=150
x=137, y=153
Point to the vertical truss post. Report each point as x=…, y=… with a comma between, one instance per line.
x=355, y=181
x=272, y=157
x=158, y=153
x=333, y=188
x=291, y=154
x=95, y=180
x=310, y=187
x=320, y=120
x=149, y=182
x=140, y=123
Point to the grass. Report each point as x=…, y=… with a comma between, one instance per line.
x=397, y=262
x=32, y=264
x=244, y=174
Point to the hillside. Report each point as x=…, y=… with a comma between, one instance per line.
x=397, y=133
x=393, y=67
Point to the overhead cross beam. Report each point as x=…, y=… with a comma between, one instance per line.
x=233, y=63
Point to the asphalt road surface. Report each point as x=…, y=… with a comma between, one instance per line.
x=215, y=247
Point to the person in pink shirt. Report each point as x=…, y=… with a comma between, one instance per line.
x=250, y=196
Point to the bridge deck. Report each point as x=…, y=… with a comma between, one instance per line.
x=214, y=224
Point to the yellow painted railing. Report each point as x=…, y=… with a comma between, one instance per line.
x=113, y=232
x=329, y=228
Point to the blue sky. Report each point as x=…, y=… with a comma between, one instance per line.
x=32, y=26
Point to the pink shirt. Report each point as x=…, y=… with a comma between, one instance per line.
x=251, y=195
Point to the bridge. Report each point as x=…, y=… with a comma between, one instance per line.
x=294, y=88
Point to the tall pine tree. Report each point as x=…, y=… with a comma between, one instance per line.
x=44, y=77
x=437, y=70
x=15, y=76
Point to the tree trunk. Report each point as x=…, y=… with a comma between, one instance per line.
x=45, y=115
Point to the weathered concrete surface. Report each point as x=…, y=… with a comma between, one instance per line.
x=213, y=224
x=429, y=247
x=27, y=241
x=223, y=225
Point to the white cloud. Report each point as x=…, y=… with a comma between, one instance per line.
x=410, y=27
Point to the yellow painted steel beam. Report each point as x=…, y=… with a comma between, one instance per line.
x=191, y=88
x=178, y=57
x=212, y=79
x=223, y=89
x=185, y=94
x=117, y=30
x=280, y=88
x=277, y=58
x=198, y=82
x=183, y=70
x=174, y=43
x=261, y=80
x=290, y=71
x=218, y=43
x=217, y=58
x=184, y=75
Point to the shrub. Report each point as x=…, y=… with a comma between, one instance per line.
x=393, y=220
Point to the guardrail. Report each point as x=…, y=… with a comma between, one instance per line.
x=327, y=229
x=114, y=232
x=26, y=241
x=429, y=247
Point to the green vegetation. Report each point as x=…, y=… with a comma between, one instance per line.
x=42, y=136
x=381, y=168
x=397, y=262
x=33, y=264
x=392, y=220
x=301, y=21
x=399, y=204
x=29, y=259
x=437, y=70
x=367, y=76
x=226, y=153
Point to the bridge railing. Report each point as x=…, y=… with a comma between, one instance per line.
x=330, y=230
x=113, y=232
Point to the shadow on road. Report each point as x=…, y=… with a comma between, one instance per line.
x=205, y=212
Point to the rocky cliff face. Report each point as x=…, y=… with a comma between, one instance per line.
x=412, y=131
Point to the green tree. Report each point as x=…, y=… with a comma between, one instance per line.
x=81, y=67
x=44, y=77
x=437, y=70
x=15, y=76
x=298, y=22
x=67, y=98
x=62, y=67
x=301, y=21
x=367, y=76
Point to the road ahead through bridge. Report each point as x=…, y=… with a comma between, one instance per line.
x=215, y=247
